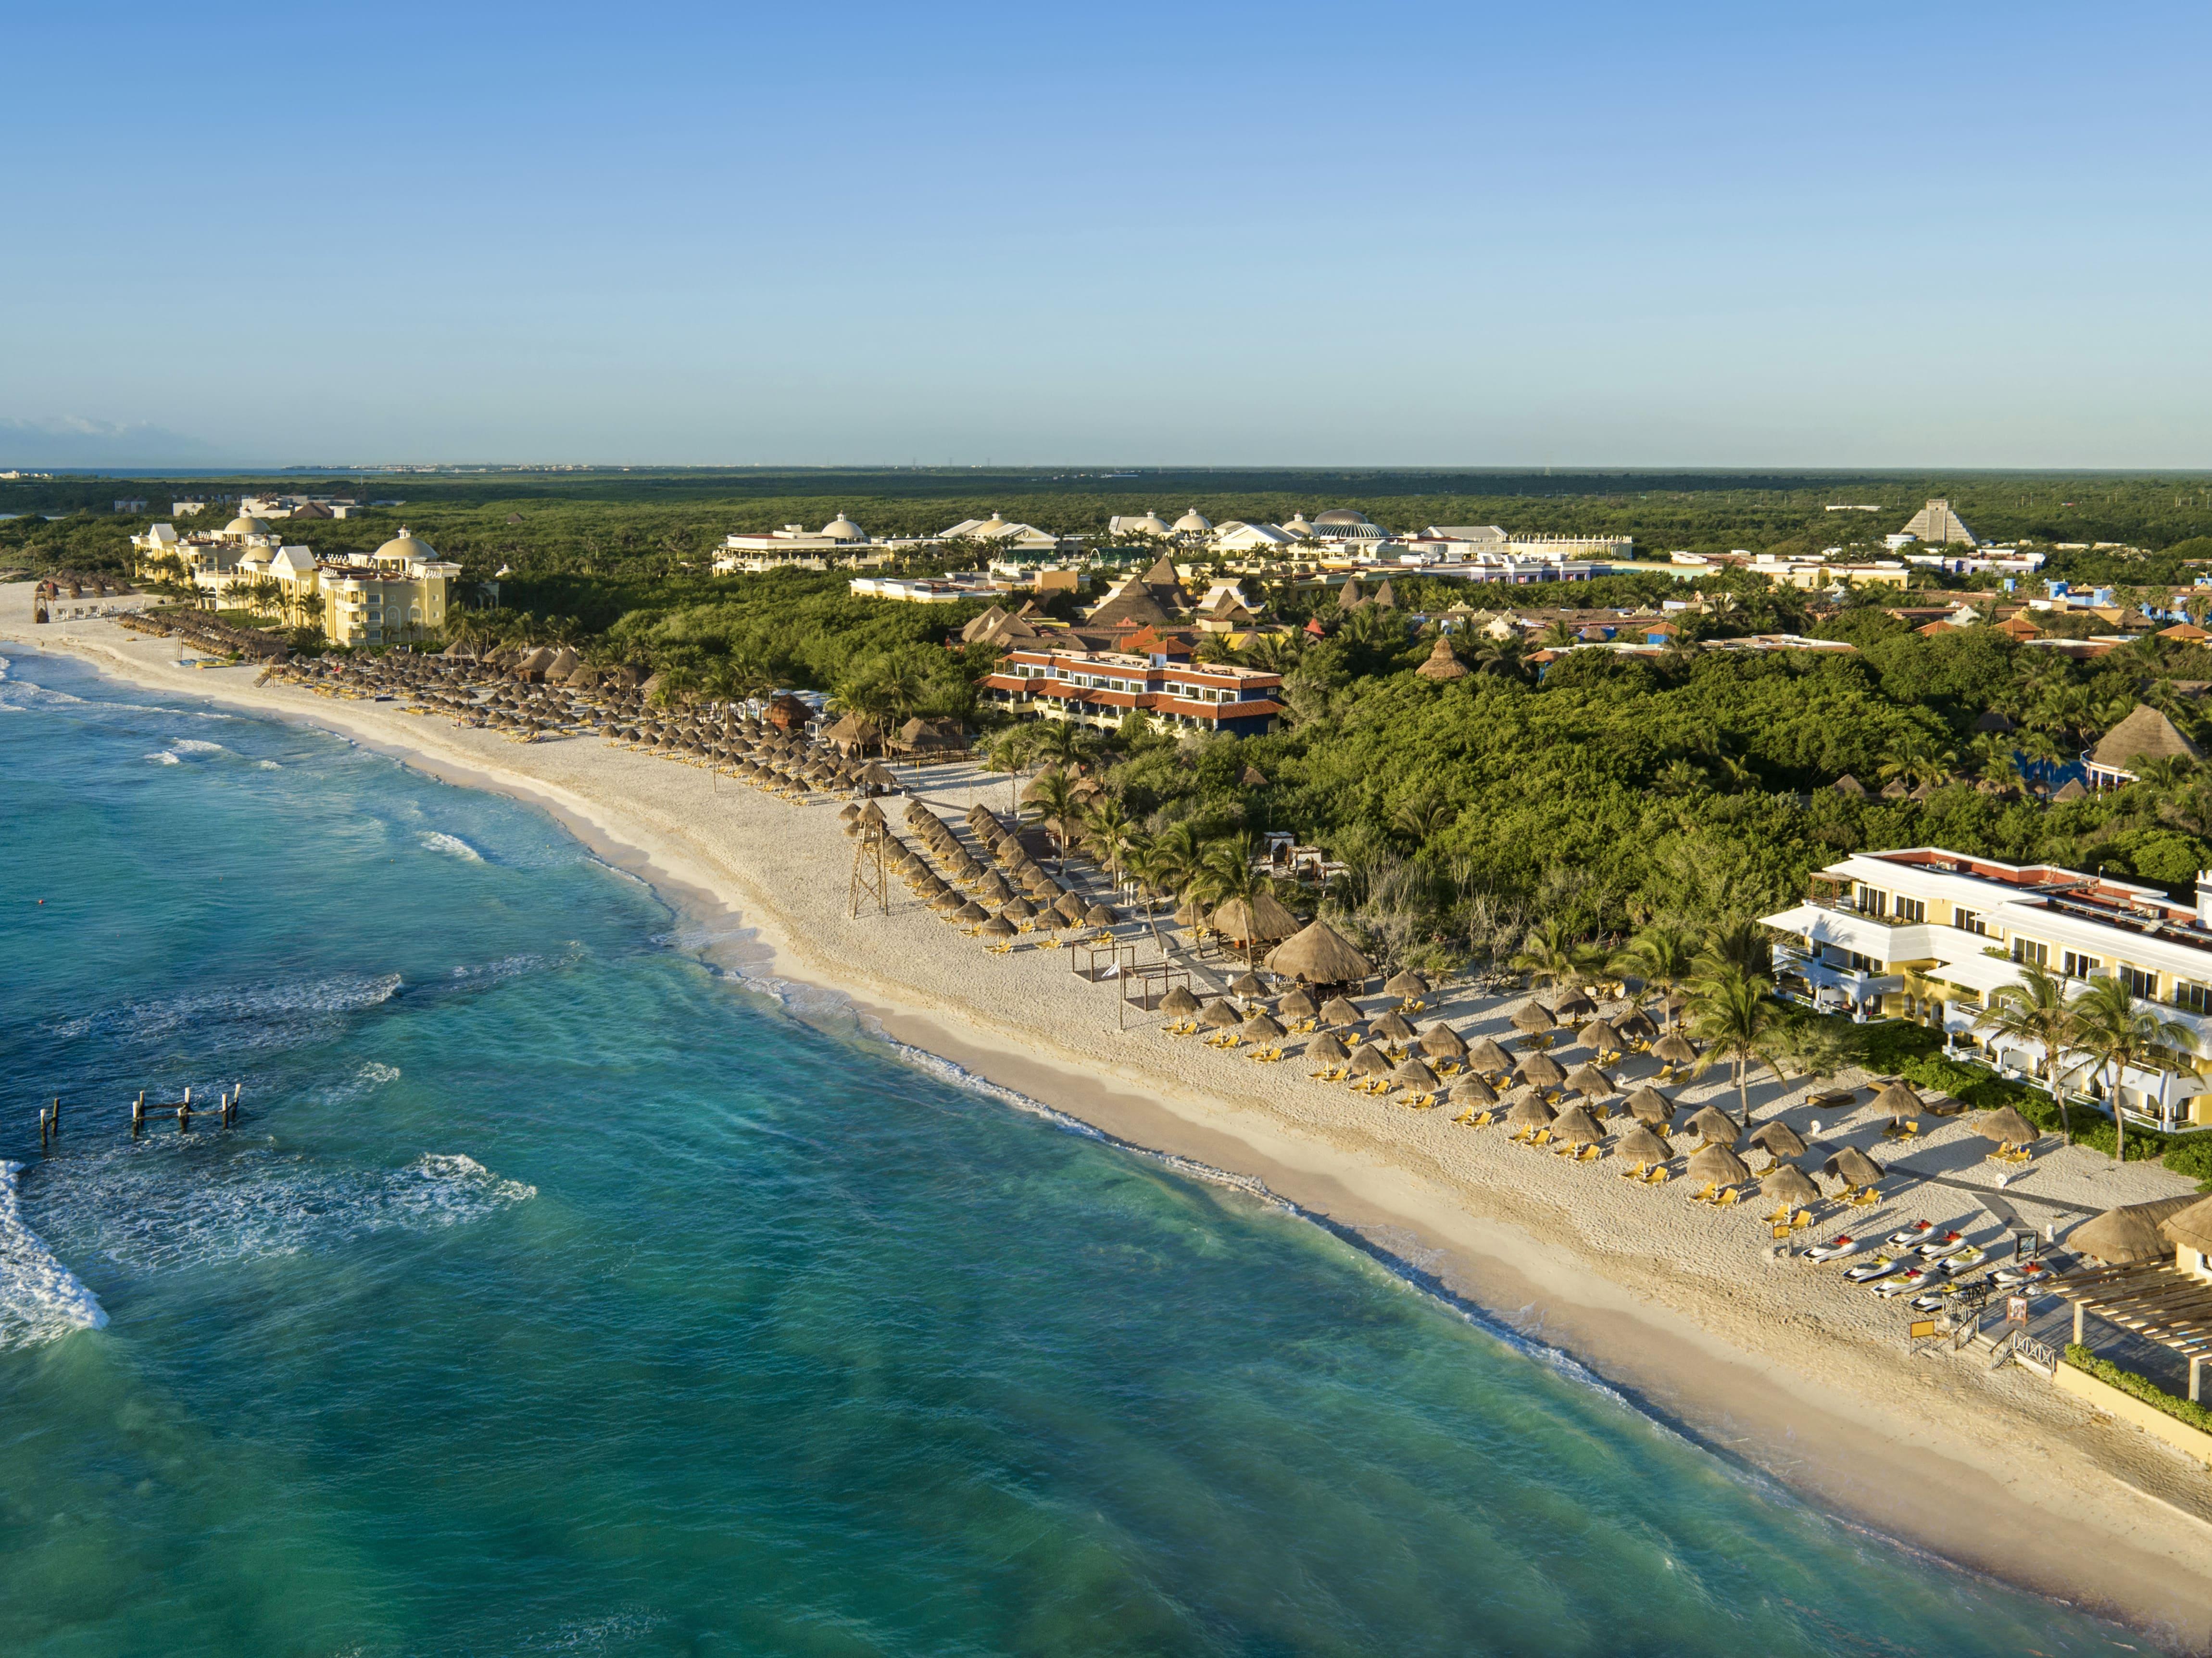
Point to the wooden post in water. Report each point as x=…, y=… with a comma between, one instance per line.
x=185, y=1113
x=138, y=1114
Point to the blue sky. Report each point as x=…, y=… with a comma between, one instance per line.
x=1570, y=235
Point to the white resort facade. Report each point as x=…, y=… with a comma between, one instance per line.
x=1931, y=935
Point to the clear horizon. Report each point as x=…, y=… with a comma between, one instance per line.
x=1716, y=239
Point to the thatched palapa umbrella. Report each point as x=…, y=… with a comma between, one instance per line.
x=1590, y=1082
x=1600, y=1037
x=1577, y=1126
x=1392, y=1027
x=2006, y=1126
x=999, y=927
x=1648, y=1104
x=1897, y=1100
x=1675, y=1048
x=1416, y=1076
x=1787, y=1183
x=1261, y=1029
x=1407, y=983
x=1248, y=985
x=1487, y=1057
x=1470, y=1090
x=1713, y=1126
x=1541, y=1070
x=1337, y=1010
x=1778, y=1140
x=1098, y=916
x=1371, y=1062
x=2132, y=1233
x=1326, y=1049
x=1018, y=910
x=1319, y=955
x=1179, y=1003
x=1853, y=1167
x=1640, y=1146
x=1221, y=1015
x=1529, y=1111
x=1720, y=1165
x=1440, y=1041
x=1296, y=1006
x=1534, y=1018
x=973, y=913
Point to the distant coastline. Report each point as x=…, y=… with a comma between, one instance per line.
x=1999, y=1474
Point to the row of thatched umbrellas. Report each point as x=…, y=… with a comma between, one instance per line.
x=1021, y=891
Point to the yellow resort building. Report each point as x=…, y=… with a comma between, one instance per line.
x=396, y=595
x=1933, y=936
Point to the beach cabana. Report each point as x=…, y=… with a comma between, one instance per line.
x=1712, y=1125
x=1778, y=1140
x=1577, y=1126
x=1719, y=1165
x=1248, y=924
x=1786, y=1183
x=1648, y=1105
x=1318, y=955
x=1641, y=1147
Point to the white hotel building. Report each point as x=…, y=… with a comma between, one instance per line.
x=1929, y=934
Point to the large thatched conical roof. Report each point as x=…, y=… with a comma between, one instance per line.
x=1442, y=664
x=2190, y=1227
x=1261, y=921
x=2144, y=736
x=2122, y=1236
x=1319, y=955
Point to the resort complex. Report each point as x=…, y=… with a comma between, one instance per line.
x=397, y=594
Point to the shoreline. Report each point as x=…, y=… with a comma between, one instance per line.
x=1690, y=1347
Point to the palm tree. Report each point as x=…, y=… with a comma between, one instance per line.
x=1559, y=636
x=1554, y=956
x=1739, y=946
x=1661, y=955
x=1060, y=741
x=2034, y=1008
x=1506, y=658
x=1733, y=1013
x=1051, y=799
x=2111, y=1028
x=1421, y=821
x=1109, y=828
x=1917, y=758
x=1178, y=854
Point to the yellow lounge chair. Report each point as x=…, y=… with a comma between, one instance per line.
x=1703, y=1195
x=1729, y=1195
x=1782, y=1231
x=1590, y=1154
x=1801, y=1220
x=1542, y=1137
x=1659, y=1175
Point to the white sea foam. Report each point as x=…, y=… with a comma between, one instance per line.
x=41, y=1299
x=194, y=746
x=437, y=841
x=372, y=1075
x=169, y=1204
x=258, y=1015
x=267, y=765
x=163, y=757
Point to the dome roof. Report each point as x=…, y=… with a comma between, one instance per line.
x=841, y=528
x=1340, y=515
x=1192, y=523
x=405, y=545
x=243, y=526
x=991, y=526
x=1150, y=524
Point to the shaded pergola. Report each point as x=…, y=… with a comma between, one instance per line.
x=2150, y=1300
x=1144, y=984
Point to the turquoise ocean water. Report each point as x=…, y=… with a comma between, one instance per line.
x=560, y=1294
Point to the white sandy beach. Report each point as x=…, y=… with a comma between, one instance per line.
x=1784, y=1366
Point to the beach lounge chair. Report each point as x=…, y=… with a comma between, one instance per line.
x=1865, y=1200
x=1703, y=1195
x=1660, y=1175
x=1589, y=1154
x=1727, y=1196
x=1801, y=1220
x=1780, y=1217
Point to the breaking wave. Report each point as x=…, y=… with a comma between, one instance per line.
x=252, y=1017
x=163, y=757
x=136, y=1208
x=41, y=1299
x=437, y=841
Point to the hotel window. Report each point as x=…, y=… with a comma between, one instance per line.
x=1864, y=963
x=2079, y=967
x=1911, y=909
x=2139, y=983
x=1873, y=903
x=2192, y=998
x=2028, y=951
x=1967, y=920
